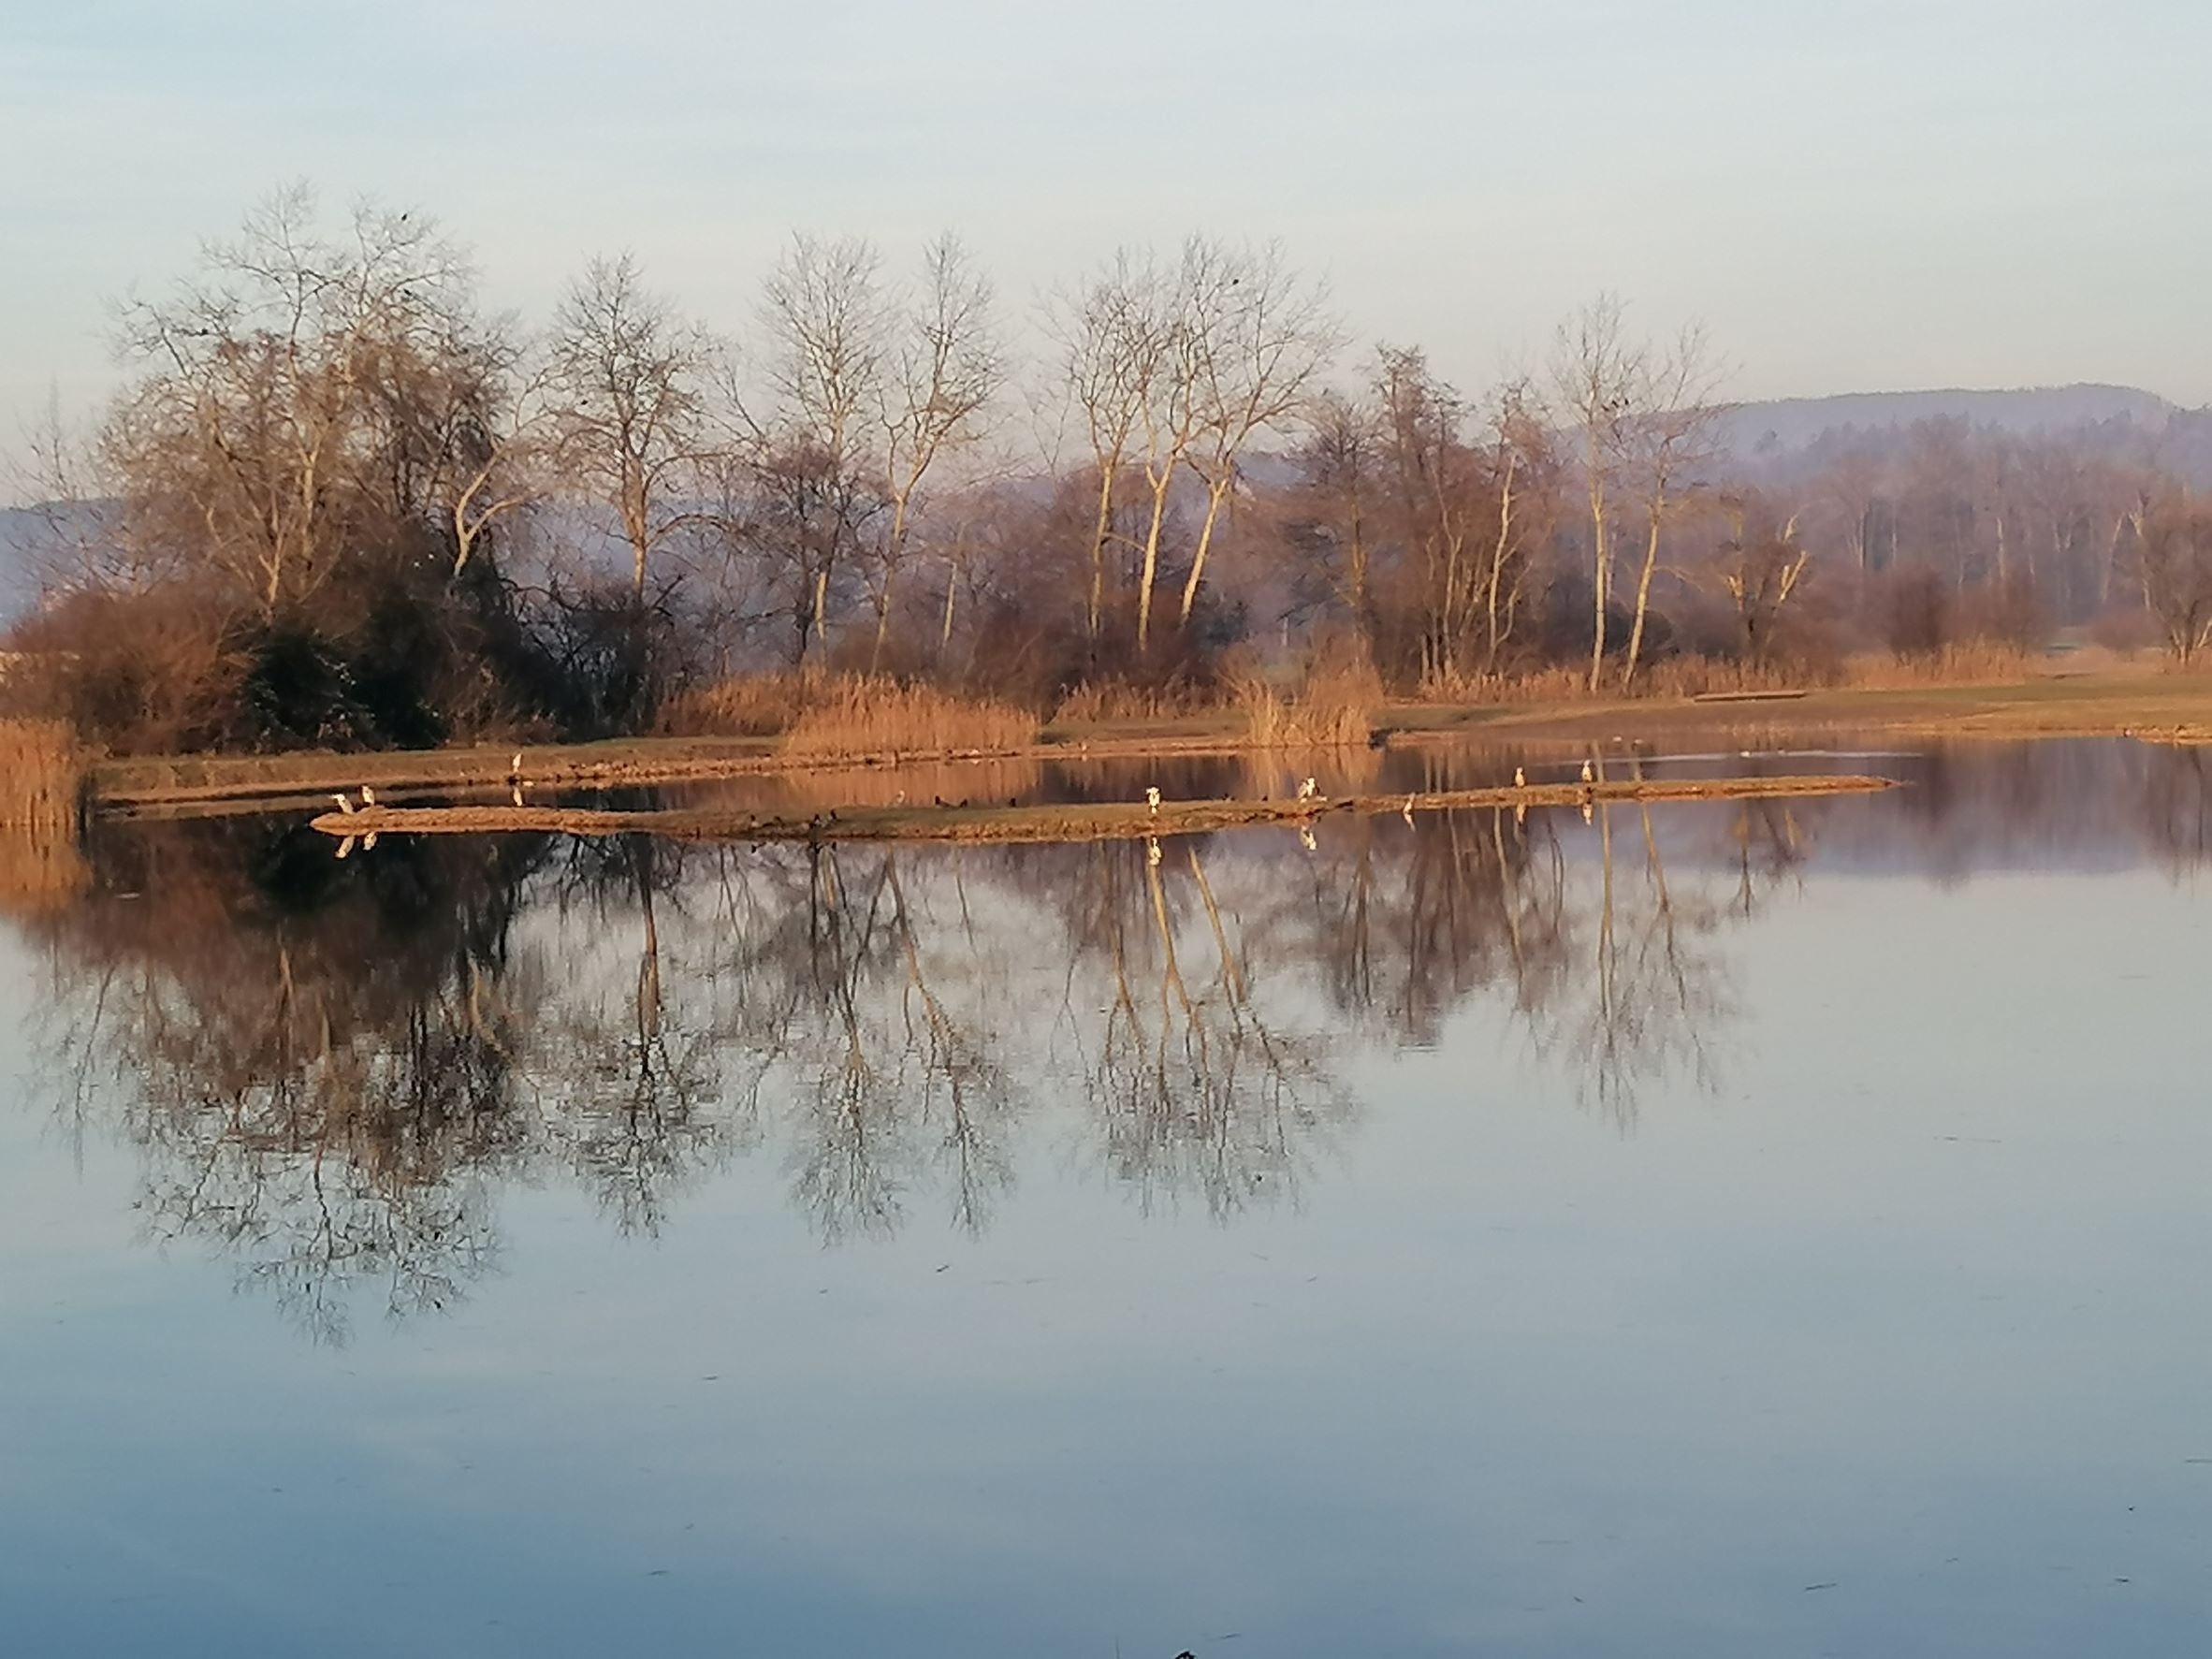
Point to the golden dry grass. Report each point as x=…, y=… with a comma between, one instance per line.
x=1333, y=709
x=744, y=705
x=857, y=716
x=1117, y=701
x=1971, y=664
x=41, y=775
x=41, y=785
x=836, y=716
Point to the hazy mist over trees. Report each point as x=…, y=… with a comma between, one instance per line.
x=339, y=502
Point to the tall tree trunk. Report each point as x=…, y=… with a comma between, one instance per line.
x=1643, y=595
x=1101, y=530
x=1598, y=586
x=1160, y=512
x=1216, y=495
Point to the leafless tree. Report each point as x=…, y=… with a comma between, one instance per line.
x=1261, y=337
x=946, y=366
x=628, y=375
x=283, y=398
x=1595, y=373
x=1667, y=435
x=1106, y=331
x=2174, y=560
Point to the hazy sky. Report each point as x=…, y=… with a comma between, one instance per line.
x=1853, y=195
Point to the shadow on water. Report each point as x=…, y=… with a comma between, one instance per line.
x=332, y=1071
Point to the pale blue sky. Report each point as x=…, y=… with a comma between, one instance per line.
x=1855, y=195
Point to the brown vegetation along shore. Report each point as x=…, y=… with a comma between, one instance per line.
x=2164, y=708
x=41, y=790
x=1088, y=822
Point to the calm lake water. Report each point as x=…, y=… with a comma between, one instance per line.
x=1760, y=1230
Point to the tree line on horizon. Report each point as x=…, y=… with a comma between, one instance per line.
x=340, y=502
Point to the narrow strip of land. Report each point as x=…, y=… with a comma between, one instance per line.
x=2171, y=708
x=1086, y=822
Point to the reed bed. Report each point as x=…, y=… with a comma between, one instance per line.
x=744, y=705
x=41, y=775
x=851, y=716
x=1333, y=709
x=1971, y=662
x=41, y=788
x=857, y=716
x=1111, y=702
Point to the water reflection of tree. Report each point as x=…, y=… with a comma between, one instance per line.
x=1196, y=1089
x=334, y=1068
x=627, y=1072
x=320, y=1068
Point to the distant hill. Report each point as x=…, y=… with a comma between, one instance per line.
x=22, y=529
x=1779, y=427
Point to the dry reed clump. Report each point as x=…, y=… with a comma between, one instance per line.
x=1333, y=709
x=1968, y=662
x=834, y=717
x=859, y=716
x=41, y=788
x=1973, y=662
x=41, y=775
x=746, y=706
x=1115, y=702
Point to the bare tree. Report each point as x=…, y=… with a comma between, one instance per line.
x=1262, y=338
x=1760, y=573
x=628, y=376
x=271, y=416
x=827, y=321
x=946, y=366
x=2174, y=565
x=1171, y=338
x=1105, y=330
x=1520, y=468
x=1668, y=435
x=1337, y=500
x=1595, y=373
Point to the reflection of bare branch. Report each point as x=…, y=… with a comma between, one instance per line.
x=330, y=1087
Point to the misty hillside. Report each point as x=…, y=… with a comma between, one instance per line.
x=22, y=529
x=1782, y=426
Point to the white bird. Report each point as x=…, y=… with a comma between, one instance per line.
x=1588, y=774
x=1520, y=778
x=519, y=794
x=1305, y=790
x=1151, y=799
x=344, y=805
x=514, y=766
x=368, y=797
x=1408, y=813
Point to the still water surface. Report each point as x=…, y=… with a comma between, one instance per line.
x=1736, y=1230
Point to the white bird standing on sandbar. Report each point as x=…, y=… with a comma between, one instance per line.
x=1151, y=799
x=1520, y=778
x=1305, y=790
x=368, y=797
x=344, y=805
x=1588, y=774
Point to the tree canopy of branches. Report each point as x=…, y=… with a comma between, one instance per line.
x=340, y=502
